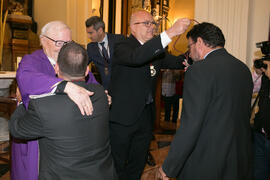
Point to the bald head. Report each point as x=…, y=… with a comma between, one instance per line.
x=142, y=25
x=139, y=15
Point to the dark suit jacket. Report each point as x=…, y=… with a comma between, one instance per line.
x=95, y=56
x=214, y=138
x=131, y=81
x=72, y=146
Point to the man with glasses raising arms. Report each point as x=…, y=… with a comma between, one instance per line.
x=136, y=64
x=35, y=76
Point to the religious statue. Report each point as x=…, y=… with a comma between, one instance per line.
x=15, y=7
x=146, y=5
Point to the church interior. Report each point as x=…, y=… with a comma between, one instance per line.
x=243, y=22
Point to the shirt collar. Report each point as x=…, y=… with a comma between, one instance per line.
x=105, y=40
x=52, y=61
x=210, y=52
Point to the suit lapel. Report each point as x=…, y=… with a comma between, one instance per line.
x=96, y=49
x=146, y=68
x=134, y=41
x=96, y=53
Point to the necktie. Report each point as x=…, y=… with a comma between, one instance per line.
x=104, y=52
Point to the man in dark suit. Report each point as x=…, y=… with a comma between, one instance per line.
x=101, y=48
x=136, y=64
x=72, y=145
x=261, y=133
x=214, y=138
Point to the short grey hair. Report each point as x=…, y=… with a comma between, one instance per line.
x=96, y=22
x=53, y=26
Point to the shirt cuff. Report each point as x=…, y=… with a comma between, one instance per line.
x=165, y=40
x=54, y=89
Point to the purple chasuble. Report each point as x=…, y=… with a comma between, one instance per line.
x=35, y=76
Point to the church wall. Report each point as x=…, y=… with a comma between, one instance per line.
x=49, y=10
x=244, y=22
x=258, y=28
x=180, y=9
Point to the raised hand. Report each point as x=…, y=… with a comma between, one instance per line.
x=179, y=27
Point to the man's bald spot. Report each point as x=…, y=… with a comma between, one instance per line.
x=137, y=15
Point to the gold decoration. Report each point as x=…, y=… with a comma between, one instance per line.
x=2, y=31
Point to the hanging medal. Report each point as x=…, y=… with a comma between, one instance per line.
x=106, y=70
x=105, y=55
x=152, y=70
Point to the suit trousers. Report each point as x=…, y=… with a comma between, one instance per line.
x=130, y=145
x=171, y=101
x=262, y=157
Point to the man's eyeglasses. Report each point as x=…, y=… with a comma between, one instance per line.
x=58, y=43
x=147, y=23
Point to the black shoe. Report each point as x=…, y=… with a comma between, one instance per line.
x=150, y=159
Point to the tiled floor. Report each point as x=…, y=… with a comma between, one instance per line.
x=159, y=149
x=159, y=154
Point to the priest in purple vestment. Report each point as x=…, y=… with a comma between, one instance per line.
x=36, y=76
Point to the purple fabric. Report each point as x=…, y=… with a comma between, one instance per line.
x=257, y=81
x=35, y=76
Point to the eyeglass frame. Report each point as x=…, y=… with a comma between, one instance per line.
x=57, y=41
x=147, y=23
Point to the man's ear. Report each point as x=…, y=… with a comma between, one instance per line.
x=56, y=69
x=86, y=71
x=131, y=28
x=200, y=41
x=41, y=40
x=100, y=30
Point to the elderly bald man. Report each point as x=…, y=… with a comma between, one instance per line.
x=136, y=64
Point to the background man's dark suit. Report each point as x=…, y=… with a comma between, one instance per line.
x=94, y=55
x=214, y=140
x=133, y=90
x=72, y=146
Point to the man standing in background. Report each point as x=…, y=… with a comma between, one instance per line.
x=169, y=96
x=262, y=125
x=100, y=49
